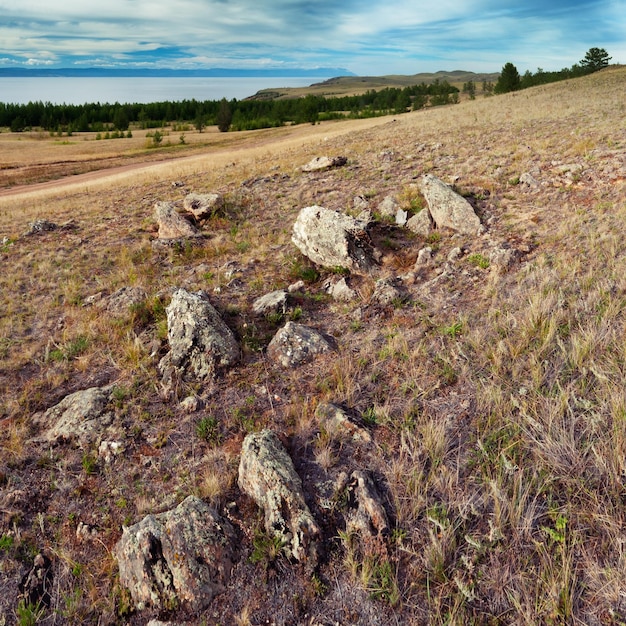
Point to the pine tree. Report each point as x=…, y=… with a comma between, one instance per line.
x=509, y=79
x=224, y=116
x=595, y=59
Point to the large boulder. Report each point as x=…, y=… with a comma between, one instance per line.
x=183, y=556
x=267, y=475
x=172, y=225
x=447, y=208
x=333, y=239
x=295, y=344
x=200, y=341
x=80, y=417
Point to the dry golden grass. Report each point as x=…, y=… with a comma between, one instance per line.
x=495, y=399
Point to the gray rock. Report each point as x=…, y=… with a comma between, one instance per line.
x=200, y=342
x=80, y=417
x=203, y=206
x=528, y=180
x=421, y=223
x=324, y=163
x=455, y=254
x=447, y=208
x=388, y=207
x=273, y=302
x=123, y=300
x=337, y=422
x=333, y=239
x=172, y=225
x=401, y=217
x=267, y=475
x=366, y=515
x=424, y=257
x=341, y=291
x=387, y=291
x=295, y=344
x=183, y=556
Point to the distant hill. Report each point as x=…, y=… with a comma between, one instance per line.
x=353, y=85
x=96, y=72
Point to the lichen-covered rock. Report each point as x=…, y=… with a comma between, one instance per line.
x=324, y=163
x=203, y=205
x=337, y=422
x=80, y=417
x=200, y=341
x=421, y=223
x=183, y=556
x=172, y=225
x=267, y=475
x=365, y=514
x=295, y=344
x=273, y=302
x=333, y=239
x=447, y=208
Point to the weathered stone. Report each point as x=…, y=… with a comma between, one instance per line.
x=200, y=342
x=267, y=474
x=295, y=344
x=183, y=556
x=123, y=300
x=334, y=239
x=340, y=290
x=421, y=223
x=401, y=217
x=273, y=302
x=172, y=225
x=387, y=291
x=366, y=515
x=324, y=163
x=203, y=206
x=424, y=257
x=447, y=208
x=388, y=207
x=337, y=422
x=80, y=416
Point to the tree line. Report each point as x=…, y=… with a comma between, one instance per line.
x=249, y=114
x=510, y=80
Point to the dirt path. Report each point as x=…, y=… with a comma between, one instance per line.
x=296, y=135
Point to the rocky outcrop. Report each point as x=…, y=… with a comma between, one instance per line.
x=200, y=341
x=324, y=163
x=447, y=208
x=267, y=475
x=273, y=302
x=183, y=556
x=203, y=206
x=333, y=239
x=295, y=344
x=80, y=417
x=172, y=225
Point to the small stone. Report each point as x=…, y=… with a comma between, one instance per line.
x=274, y=302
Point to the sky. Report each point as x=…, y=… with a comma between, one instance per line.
x=367, y=37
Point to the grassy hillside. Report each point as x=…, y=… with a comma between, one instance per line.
x=494, y=396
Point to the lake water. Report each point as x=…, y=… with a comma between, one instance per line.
x=60, y=90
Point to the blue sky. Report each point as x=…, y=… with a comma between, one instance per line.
x=367, y=37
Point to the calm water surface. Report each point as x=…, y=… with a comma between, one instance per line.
x=59, y=90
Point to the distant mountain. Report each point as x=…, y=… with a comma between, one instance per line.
x=216, y=72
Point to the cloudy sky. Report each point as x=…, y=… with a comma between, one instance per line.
x=367, y=37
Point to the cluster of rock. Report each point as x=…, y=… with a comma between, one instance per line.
x=184, y=556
